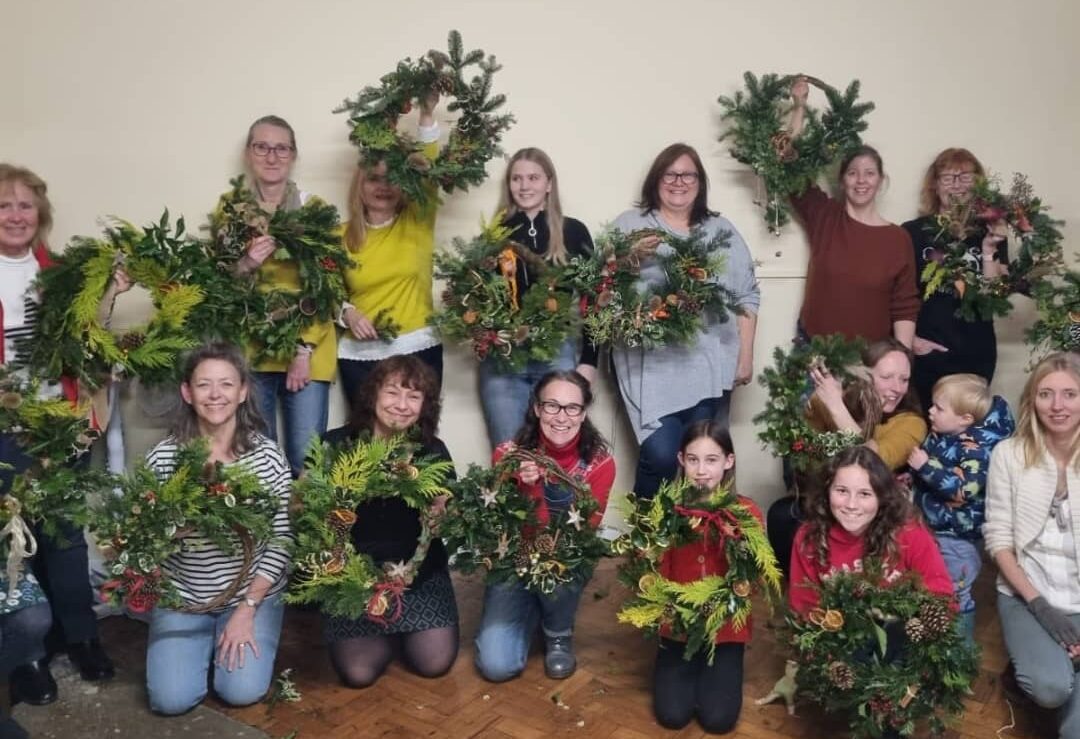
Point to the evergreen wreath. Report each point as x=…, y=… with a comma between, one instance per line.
x=492, y=525
x=618, y=309
x=697, y=610
x=787, y=166
x=883, y=655
x=374, y=114
x=1057, y=300
x=273, y=320
x=329, y=570
x=784, y=427
x=482, y=307
x=71, y=339
x=201, y=503
x=951, y=269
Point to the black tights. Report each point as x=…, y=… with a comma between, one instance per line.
x=683, y=687
x=361, y=661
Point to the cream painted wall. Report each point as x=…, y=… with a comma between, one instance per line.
x=128, y=106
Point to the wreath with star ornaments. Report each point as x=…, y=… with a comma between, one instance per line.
x=200, y=504
x=492, y=525
x=698, y=610
x=483, y=308
x=757, y=120
x=374, y=114
x=885, y=656
x=784, y=427
x=1057, y=300
x=617, y=308
x=1018, y=214
x=51, y=432
x=308, y=239
x=328, y=569
x=72, y=338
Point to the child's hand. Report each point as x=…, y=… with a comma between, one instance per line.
x=917, y=458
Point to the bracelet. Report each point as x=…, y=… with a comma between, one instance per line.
x=251, y=602
x=304, y=350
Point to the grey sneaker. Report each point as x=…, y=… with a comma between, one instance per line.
x=559, y=659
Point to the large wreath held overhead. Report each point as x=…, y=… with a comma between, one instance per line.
x=329, y=570
x=273, y=320
x=483, y=308
x=492, y=525
x=72, y=337
x=150, y=520
x=374, y=114
x=1018, y=214
x=618, y=309
x=695, y=611
x=783, y=426
x=757, y=120
x=883, y=655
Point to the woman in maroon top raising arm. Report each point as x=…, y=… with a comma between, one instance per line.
x=861, y=276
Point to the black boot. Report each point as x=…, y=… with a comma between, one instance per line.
x=90, y=658
x=32, y=683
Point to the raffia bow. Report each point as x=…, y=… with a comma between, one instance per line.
x=23, y=545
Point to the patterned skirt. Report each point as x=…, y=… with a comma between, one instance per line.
x=430, y=605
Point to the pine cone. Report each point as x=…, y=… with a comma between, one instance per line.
x=132, y=340
x=915, y=629
x=340, y=521
x=545, y=544
x=521, y=560
x=1072, y=336
x=841, y=675
x=936, y=617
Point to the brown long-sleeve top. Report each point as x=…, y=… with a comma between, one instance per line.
x=860, y=278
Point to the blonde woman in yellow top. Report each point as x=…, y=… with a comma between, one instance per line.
x=303, y=383
x=391, y=241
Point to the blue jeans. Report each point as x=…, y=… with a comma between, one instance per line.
x=505, y=397
x=656, y=459
x=182, y=647
x=963, y=561
x=305, y=413
x=511, y=613
x=1043, y=668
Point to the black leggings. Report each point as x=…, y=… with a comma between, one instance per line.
x=685, y=687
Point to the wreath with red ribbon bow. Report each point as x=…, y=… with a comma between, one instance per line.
x=698, y=610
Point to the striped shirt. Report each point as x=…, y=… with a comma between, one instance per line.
x=19, y=300
x=201, y=571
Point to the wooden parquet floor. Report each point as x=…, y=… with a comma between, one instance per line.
x=609, y=695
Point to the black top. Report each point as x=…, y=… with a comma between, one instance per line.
x=534, y=234
x=938, y=320
x=387, y=529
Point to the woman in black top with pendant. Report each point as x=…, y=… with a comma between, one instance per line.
x=399, y=395
x=531, y=207
x=945, y=343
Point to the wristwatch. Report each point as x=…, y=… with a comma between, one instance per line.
x=248, y=600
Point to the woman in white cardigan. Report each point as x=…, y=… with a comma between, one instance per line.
x=1031, y=532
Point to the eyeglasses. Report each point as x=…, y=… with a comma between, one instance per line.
x=283, y=151
x=551, y=408
x=953, y=178
x=687, y=178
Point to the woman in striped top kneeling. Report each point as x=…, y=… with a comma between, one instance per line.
x=241, y=638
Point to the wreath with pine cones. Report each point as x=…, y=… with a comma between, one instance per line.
x=887, y=656
x=784, y=426
x=70, y=337
x=1057, y=328
x=328, y=569
x=374, y=114
x=695, y=611
x=271, y=320
x=492, y=525
x=482, y=306
x=200, y=504
x=757, y=120
x=1017, y=213
x=618, y=309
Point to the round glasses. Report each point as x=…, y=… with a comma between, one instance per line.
x=283, y=151
x=951, y=178
x=551, y=408
x=687, y=178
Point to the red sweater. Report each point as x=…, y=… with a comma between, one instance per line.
x=700, y=558
x=860, y=278
x=598, y=474
x=918, y=552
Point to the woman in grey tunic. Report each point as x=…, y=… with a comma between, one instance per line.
x=666, y=389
